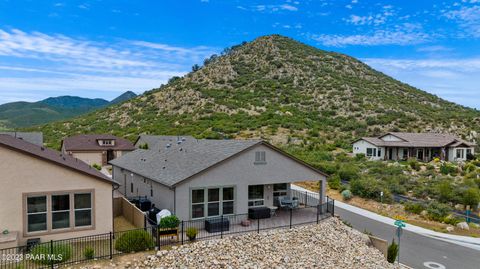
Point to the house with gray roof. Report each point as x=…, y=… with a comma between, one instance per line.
x=422, y=146
x=201, y=178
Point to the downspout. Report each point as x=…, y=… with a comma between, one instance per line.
x=174, y=200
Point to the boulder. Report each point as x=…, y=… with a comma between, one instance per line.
x=463, y=226
x=450, y=229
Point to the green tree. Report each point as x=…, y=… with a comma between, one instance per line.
x=392, y=252
x=471, y=197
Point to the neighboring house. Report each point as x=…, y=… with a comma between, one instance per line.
x=422, y=146
x=205, y=178
x=96, y=148
x=32, y=137
x=50, y=196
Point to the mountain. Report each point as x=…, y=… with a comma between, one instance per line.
x=124, y=97
x=279, y=89
x=25, y=114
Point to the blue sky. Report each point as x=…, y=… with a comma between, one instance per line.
x=103, y=48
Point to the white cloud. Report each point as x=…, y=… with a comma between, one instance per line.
x=468, y=18
x=437, y=48
x=372, y=19
x=273, y=8
x=54, y=63
x=380, y=37
x=456, y=80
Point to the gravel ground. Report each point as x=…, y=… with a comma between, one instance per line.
x=330, y=244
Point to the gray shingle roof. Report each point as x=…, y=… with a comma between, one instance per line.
x=32, y=137
x=159, y=142
x=50, y=155
x=418, y=140
x=173, y=165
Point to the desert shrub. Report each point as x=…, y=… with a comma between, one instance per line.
x=171, y=221
x=469, y=167
x=334, y=182
x=448, y=169
x=360, y=157
x=347, y=195
x=392, y=252
x=414, y=164
x=89, y=253
x=52, y=255
x=471, y=197
x=191, y=233
x=133, y=241
x=437, y=211
x=370, y=188
x=445, y=190
x=452, y=220
x=415, y=208
x=348, y=172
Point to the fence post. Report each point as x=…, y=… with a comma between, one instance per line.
x=51, y=253
x=182, y=230
x=318, y=211
x=333, y=208
x=258, y=225
x=221, y=226
x=291, y=210
x=306, y=199
x=157, y=235
x=111, y=246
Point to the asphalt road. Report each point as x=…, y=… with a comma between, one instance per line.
x=417, y=251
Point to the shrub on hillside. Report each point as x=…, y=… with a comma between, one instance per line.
x=347, y=195
x=348, y=172
x=51, y=255
x=360, y=157
x=415, y=208
x=437, y=211
x=370, y=188
x=334, y=182
x=448, y=169
x=133, y=241
x=471, y=197
x=414, y=164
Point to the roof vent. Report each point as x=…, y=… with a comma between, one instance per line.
x=180, y=149
x=179, y=142
x=42, y=148
x=163, y=167
x=183, y=139
x=168, y=145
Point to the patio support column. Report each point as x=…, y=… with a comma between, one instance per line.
x=322, y=190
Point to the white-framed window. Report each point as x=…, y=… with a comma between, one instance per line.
x=212, y=202
x=460, y=153
x=469, y=151
x=260, y=157
x=37, y=213
x=107, y=142
x=371, y=152
x=255, y=195
x=379, y=152
x=279, y=190
x=83, y=209
x=60, y=211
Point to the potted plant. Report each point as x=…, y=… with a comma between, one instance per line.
x=168, y=225
x=192, y=233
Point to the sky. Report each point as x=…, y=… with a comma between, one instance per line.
x=100, y=49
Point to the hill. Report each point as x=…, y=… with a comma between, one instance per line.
x=24, y=114
x=281, y=90
x=124, y=97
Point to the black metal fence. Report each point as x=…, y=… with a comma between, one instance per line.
x=106, y=246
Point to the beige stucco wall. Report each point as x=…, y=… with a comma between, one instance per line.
x=22, y=174
x=89, y=157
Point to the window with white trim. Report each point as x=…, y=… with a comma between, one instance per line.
x=198, y=203
x=371, y=152
x=460, y=153
x=279, y=190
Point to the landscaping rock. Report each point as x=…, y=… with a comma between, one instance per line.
x=450, y=229
x=463, y=226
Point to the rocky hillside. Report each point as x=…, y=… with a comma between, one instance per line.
x=282, y=90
